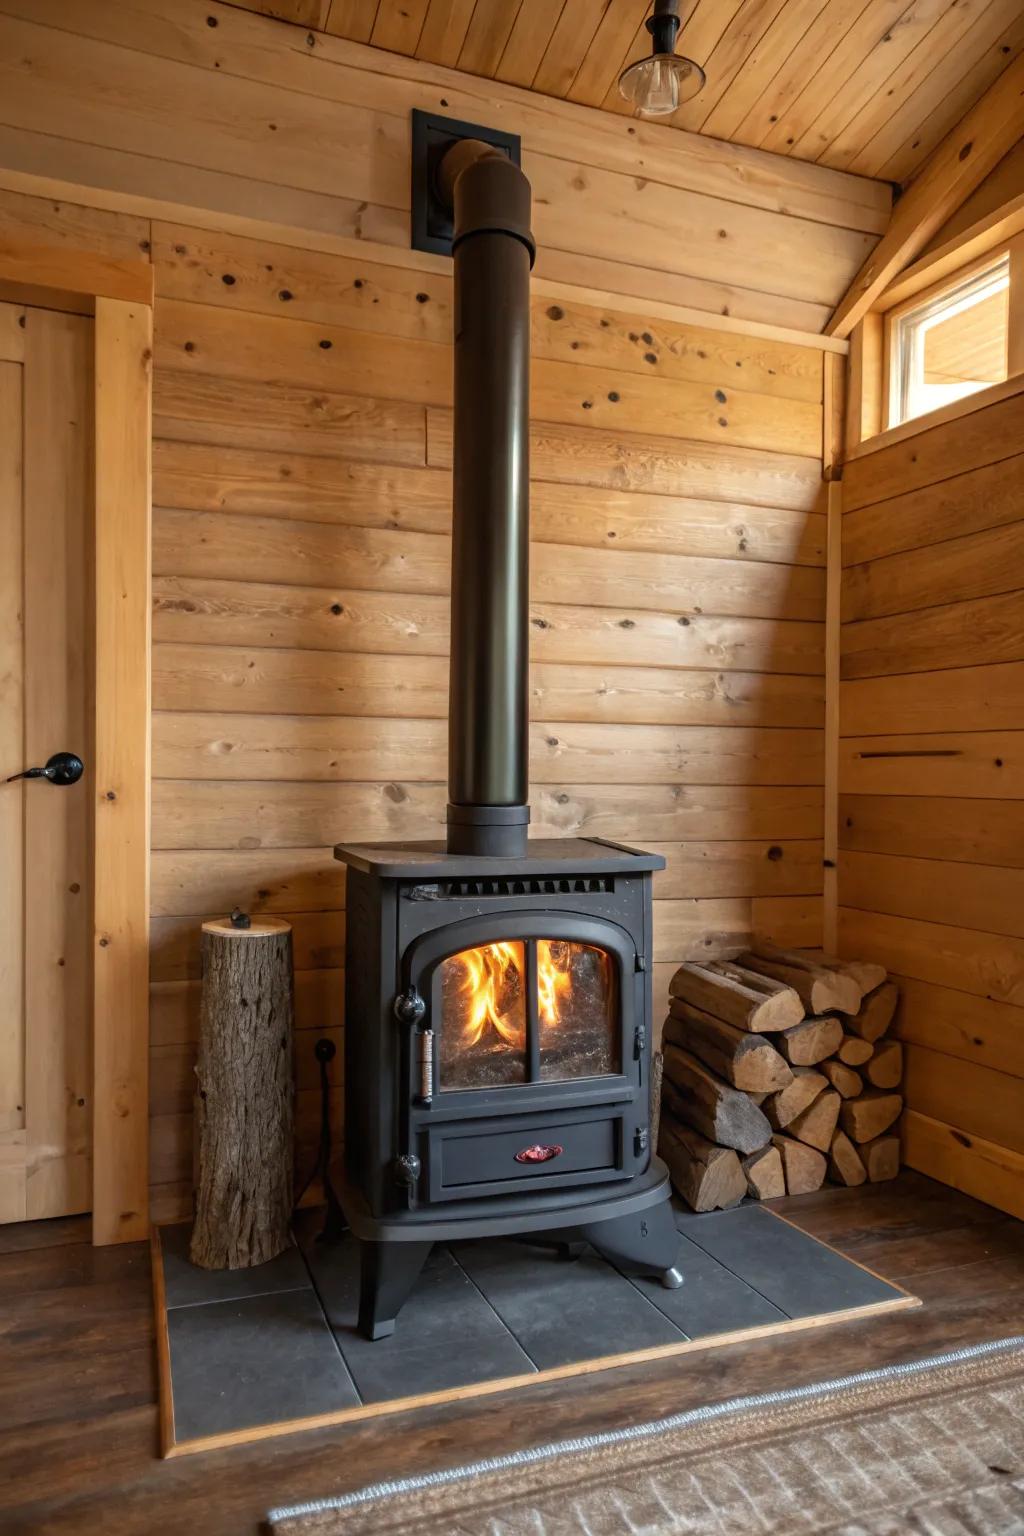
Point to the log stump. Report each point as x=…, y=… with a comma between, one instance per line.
x=244, y=1102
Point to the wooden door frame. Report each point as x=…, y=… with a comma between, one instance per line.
x=119, y=295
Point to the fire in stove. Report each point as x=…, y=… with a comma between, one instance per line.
x=541, y=1009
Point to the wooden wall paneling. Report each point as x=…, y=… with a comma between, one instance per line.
x=926, y=454
x=235, y=272
x=929, y=826
x=60, y=226
x=201, y=813
x=124, y=346
x=310, y=747
x=958, y=165
x=646, y=462
x=193, y=610
x=982, y=498
x=976, y=1099
x=214, y=477
x=294, y=879
x=963, y=959
x=202, y=339
x=931, y=815
x=983, y=630
x=264, y=680
x=190, y=407
x=969, y=1163
x=968, y=1028
x=980, y=896
x=213, y=545
x=968, y=764
x=958, y=698
x=955, y=570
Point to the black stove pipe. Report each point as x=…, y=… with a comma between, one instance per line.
x=488, y=708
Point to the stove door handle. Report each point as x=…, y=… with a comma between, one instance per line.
x=538, y=1153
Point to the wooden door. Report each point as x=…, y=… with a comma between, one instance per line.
x=46, y=536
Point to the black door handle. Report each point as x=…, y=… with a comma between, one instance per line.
x=62, y=768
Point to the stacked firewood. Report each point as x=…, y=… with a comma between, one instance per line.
x=776, y=1075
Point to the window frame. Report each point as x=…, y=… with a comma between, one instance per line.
x=892, y=360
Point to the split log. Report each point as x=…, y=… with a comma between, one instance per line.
x=811, y=1041
x=868, y=974
x=244, y=1095
x=875, y=1013
x=867, y=1117
x=815, y=1127
x=746, y=1061
x=709, y=1178
x=854, y=1052
x=885, y=1069
x=789, y=1102
x=742, y=998
x=844, y=1163
x=881, y=1158
x=804, y=1166
x=698, y=1098
x=765, y=1177
x=844, y=1079
x=821, y=990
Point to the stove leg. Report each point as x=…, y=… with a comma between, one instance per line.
x=387, y=1274
x=646, y=1242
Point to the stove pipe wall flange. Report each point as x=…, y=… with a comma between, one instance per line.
x=488, y=709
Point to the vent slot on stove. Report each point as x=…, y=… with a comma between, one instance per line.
x=528, y=885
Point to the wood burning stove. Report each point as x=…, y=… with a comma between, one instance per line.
x=498, y=996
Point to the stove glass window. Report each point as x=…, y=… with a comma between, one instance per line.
x=577, y=1012
x=483, y=1028
x=540, y=1010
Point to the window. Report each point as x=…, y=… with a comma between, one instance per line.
x=951, y=344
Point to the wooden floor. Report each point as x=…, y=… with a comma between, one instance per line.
x=78, y=1425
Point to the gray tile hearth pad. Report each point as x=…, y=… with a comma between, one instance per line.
x=249, y=1349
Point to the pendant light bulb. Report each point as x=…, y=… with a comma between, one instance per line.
x=659, y=84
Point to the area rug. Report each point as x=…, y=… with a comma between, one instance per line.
x=930, y=1448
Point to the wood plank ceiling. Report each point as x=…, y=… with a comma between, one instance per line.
x=869, y=86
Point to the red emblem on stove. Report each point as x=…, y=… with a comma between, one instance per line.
x=538, y=1154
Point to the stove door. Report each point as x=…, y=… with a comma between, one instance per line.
x=527, y=1055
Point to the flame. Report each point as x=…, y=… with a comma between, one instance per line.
x=486, y=980
x=491, y=974
x=554, y=978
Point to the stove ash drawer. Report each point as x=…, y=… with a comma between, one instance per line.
x=500, y=1155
